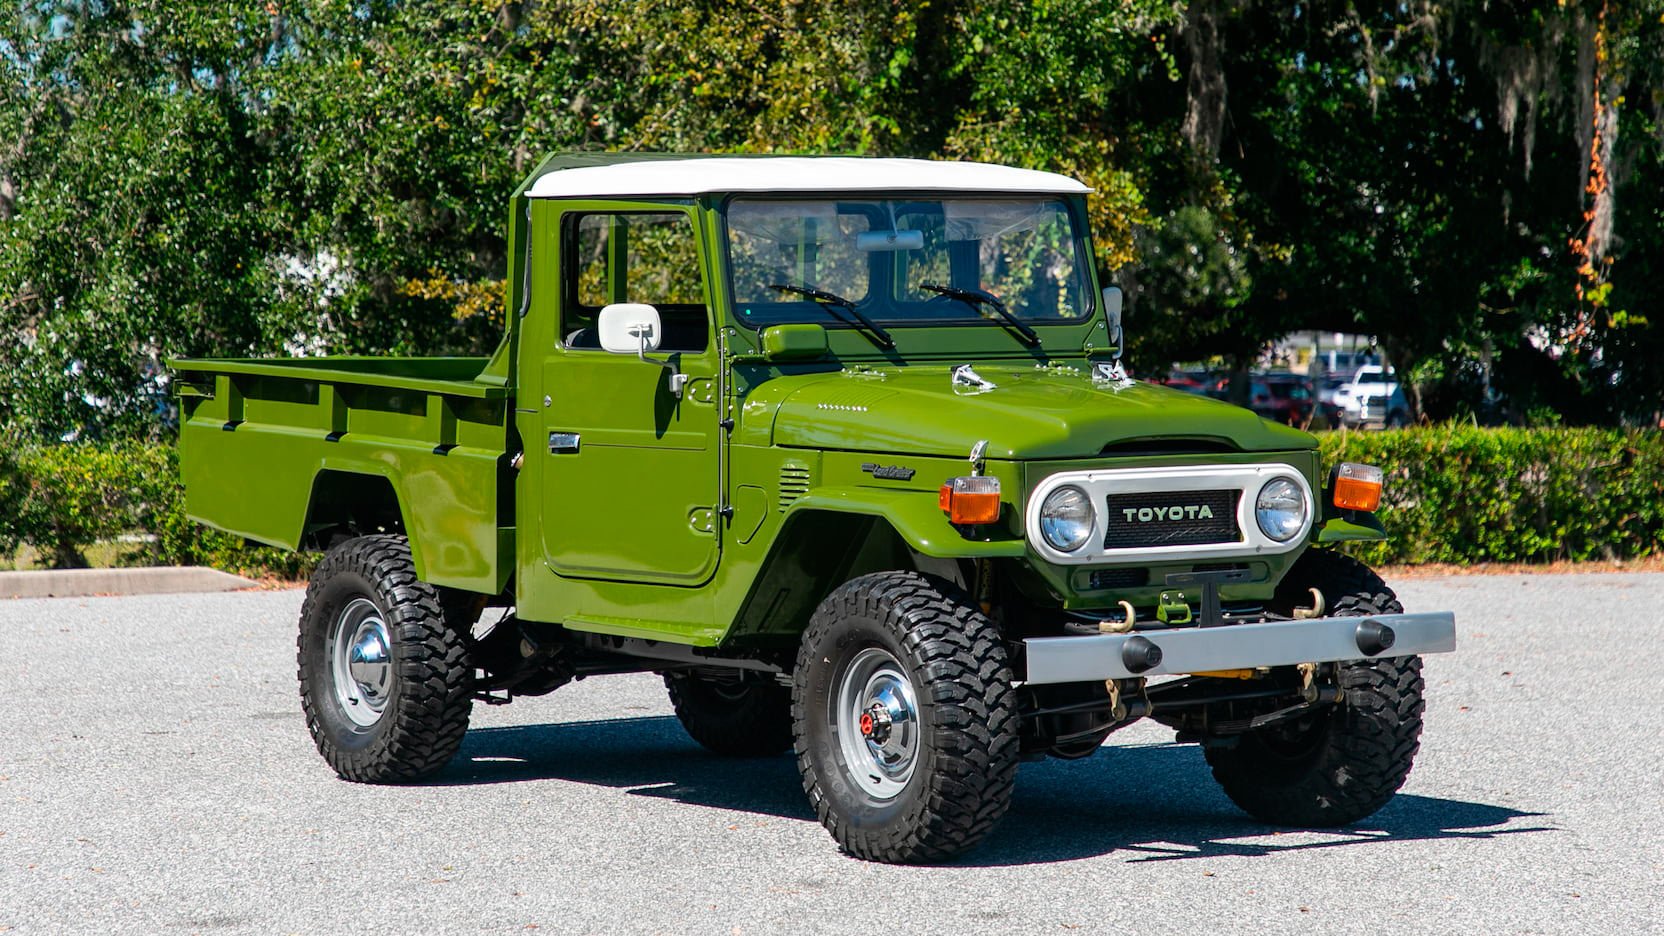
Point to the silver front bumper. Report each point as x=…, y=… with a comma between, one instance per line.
x=1235, y=646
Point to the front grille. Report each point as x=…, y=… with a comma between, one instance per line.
x=1173, y=518
x=1117, y=578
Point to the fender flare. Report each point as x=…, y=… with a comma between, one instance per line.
x=916, y=519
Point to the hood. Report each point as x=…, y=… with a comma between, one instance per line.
x=1028, y=412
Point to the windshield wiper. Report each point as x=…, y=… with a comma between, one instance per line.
x=978, y=297
x=866, y=326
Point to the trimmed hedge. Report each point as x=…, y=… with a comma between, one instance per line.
x=1464, y=495
x=1456, y=494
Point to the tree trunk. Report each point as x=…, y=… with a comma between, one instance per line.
x=63, y=553
x=1401, y=362
x=1204, y=114
x=8, y=195
x=1237, y=391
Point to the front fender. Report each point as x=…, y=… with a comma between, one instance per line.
x=917, y=519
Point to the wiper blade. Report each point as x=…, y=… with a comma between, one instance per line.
x=981, y=298
x=866, y=326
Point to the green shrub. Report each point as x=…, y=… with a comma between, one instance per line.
x=1455, y=494
x=60, y=499
x=1462, y=494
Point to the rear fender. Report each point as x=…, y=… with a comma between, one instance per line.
x=354, y=501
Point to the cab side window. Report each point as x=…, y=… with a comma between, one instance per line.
x=633, y=257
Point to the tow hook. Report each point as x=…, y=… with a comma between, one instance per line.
x=1313, y=612
x=1130, y=705
x=1124, y=626
x=1309, y=689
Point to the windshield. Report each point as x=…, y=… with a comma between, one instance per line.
x=906, y=261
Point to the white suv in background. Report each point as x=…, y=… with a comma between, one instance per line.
x=1372, y=398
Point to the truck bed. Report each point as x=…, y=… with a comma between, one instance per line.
x=276, y=450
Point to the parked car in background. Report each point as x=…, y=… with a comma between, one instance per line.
x=1190, y=381
x=1373, y=398
x=1284, y=397
x=1279, y=396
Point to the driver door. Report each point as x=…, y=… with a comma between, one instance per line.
x=630, y=486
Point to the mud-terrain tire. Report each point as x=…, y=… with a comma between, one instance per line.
x=925, y=774
x=1343, y=763
x=746, y=715
x=370, y=630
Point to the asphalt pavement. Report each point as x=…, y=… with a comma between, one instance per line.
x=156, y=777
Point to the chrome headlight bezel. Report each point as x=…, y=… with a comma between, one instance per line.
x=1281, y=508
x=1068, y=533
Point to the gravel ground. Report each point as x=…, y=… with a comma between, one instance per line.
x=156, y=776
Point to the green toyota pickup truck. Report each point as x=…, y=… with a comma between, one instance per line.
x=844, y=450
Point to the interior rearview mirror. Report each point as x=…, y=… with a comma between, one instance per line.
x=1112, y=315
x=889, y=240
x=630, y=328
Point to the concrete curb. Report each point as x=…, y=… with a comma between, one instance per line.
x=77, y=583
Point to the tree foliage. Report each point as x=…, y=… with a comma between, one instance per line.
x=1476, y=183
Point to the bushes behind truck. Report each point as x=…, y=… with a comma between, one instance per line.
x=1454, y=494
x=59, y=500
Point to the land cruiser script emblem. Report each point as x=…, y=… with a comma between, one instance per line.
x=1151, y=514
x=889, y=472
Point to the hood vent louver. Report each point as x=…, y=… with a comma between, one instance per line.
x=1148, y=447
x=794, y=483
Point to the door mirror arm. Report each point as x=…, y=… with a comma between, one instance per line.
x=678, y=380
x=635, y=328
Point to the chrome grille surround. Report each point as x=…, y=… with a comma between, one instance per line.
x=1100, y=484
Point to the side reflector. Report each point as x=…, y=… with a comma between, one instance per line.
x=974, y=499
x=1357, y=487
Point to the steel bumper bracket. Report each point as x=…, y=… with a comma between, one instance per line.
x=1237, y=646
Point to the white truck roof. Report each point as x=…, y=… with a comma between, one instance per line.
x=717, y=175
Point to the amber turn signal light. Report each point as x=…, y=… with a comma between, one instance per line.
x=974, y=499
x=1357, y=487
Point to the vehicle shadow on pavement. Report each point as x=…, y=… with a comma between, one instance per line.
x=1154, y=802
x=1159, y=802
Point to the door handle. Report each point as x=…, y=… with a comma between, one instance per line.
x=563, y=443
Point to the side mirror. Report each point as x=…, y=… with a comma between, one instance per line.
x=630, y=328
x=634, y=328
x=1112, y=315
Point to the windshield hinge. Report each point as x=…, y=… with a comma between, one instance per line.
x=964, y=376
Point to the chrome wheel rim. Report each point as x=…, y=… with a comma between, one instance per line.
x=876, y=721
x=361, y=662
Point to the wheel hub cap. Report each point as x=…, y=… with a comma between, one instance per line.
x=876, y=720
x=367, y=661
x=361, y=662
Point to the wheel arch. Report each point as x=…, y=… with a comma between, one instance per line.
x=801, y=569
x=347, y=502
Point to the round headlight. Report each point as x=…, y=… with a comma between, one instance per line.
x=1066, y=518
x=1280, y=509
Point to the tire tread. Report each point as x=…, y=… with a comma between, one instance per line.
x=968, y=685
x=1373, y=739
x=435, y=692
